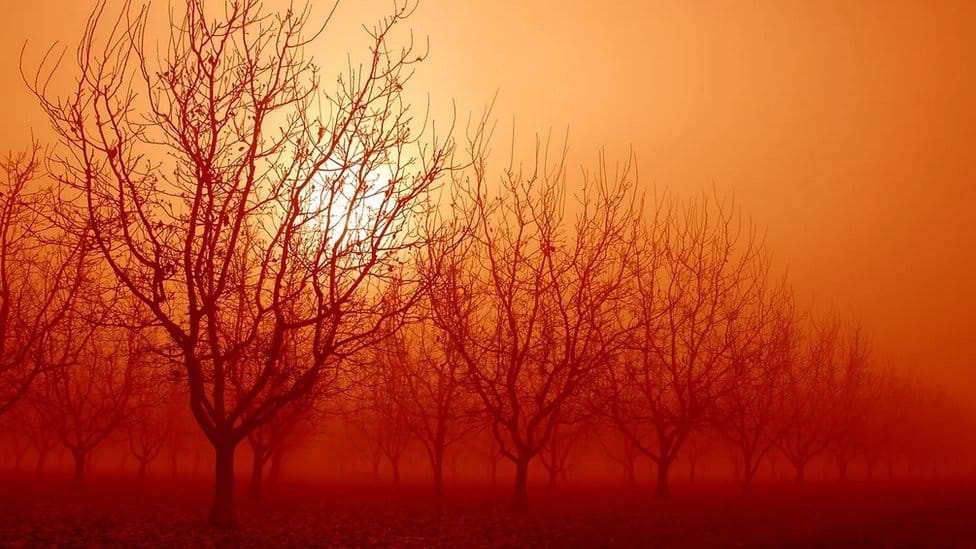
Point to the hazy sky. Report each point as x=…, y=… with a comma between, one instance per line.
x=846, y=128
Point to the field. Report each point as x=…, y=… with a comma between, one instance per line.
x=119, y=512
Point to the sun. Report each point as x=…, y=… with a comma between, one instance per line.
x=345, y=203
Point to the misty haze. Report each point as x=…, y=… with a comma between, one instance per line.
x=487, y=274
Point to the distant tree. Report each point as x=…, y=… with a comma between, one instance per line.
x=17, y=444
x=557, y=450
x=179, y=438
x=91, y=370
x=695, y=276
x=876, y=441
x=268, y=441
x=529, y=302
x=385, y=394
x=239, y=203
x=805, y=408
x=761, y=359
x=26, y=419
x=849, y=402
x=436, y=403
x=151, y=421
x=493, y=456
x=621, y=449
x=363, y=434
x=39, y=274
x=697, y=446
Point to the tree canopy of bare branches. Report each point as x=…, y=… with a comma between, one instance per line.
x=528, y=302
x=237, y=199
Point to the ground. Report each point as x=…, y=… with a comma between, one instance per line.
x=159, y=513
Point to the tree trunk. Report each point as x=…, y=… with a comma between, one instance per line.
x=395, y=463
x=798, y=480
x=520, y=495
x=143, y=465
x=630, y=474
x=692, y=465
x=81, y=460
x=553, y=477
x=747, y=479
x=870, y=464
x=222, y=514
x=437, y=467
x=661, y=490
x=842, y=470
x=255, y=490
x=41, y=458
x=274, y=472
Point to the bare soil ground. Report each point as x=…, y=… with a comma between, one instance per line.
x=123, y=512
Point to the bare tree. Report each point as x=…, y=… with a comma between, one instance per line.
x=39, y=274
x=437, y=405
x=556, y=452
x=529, y=303
x=238, y=202
x=698, y=445
x=87, y=388
x=26, y=419
x=151, y=422
x=493, y=456
x=17, y=443
x=621, y=449
x=810, y=381
x=761, y=359
x=268, y=441
x=361, y=431
x=849, y=402
x=179, y=437
x=386, y=391
x=697, y=272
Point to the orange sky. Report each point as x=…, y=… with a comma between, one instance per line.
x=845, y=127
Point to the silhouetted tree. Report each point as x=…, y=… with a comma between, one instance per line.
x=385, y=393
x=761, y=359
x=39, y=274
x=621, y=449
x=694, y=277
x=556, y=452
x=239, y=203
x=849, y=403
x=268, y=441
x=150, y=421
x=529, y=303
x=87, y=388
x=25, y=418
x=805, y=407
x=437, y=406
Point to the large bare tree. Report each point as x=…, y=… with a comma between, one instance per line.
x=239, y=202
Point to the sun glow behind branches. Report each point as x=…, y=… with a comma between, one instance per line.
x=345, y=204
